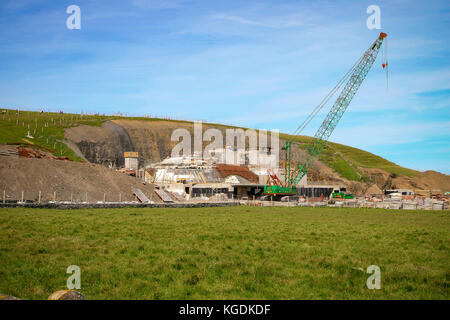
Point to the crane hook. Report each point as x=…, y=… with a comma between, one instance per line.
x=384, y=64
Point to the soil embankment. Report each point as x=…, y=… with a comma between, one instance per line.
x=68, y=179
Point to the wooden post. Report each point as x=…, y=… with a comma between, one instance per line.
x=71, y=197
x=104, y=197
x=120, y=197
x=22, y=196
x=86, y=197
x=54, y=196
x=39, y=199
x=4, y=196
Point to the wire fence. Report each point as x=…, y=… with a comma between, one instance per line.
x=115, y=115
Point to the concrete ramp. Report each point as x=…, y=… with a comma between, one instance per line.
x=177, y=197
x=163, y=195
x=141, y=196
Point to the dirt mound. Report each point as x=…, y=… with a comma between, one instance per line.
x=373, y=189
x=428, y=180
x=434, y=180
x=68, y=179
x=33, y=153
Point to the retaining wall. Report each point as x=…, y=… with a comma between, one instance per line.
x=117, y=205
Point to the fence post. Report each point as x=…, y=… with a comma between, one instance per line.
x=22, y=196
x=4, y=196
x=54, y=196
x=39, y=199
x=104, y=197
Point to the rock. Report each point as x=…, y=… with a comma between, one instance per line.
x=6, y=297
x=66, y=295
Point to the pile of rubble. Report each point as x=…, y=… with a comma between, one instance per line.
x=32, y=153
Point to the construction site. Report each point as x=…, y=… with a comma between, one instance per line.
x=108, y=176
x=215, y=157
x=81, y=159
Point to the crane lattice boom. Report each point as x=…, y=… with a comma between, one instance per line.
x=355, y=77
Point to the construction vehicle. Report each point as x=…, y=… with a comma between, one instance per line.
x=342, y=195
x=293, y=174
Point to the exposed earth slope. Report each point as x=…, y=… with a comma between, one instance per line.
x=69, y=179
x=103, y=139
x=362, y=171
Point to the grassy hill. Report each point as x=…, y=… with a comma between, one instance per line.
x=47, y=130
x=345, y=160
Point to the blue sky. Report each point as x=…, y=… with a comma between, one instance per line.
x=259, y=64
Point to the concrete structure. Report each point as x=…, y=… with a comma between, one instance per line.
x=319, y=190
x=403, y=192
x=248, y=191
x=131, y=160
x=209, y=190
x=191, y=177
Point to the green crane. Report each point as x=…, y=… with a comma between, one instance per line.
x=354, y=77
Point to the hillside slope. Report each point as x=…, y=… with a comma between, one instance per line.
x=103, y=139
x=361, y=171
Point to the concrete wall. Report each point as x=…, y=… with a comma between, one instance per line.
x=131, y=163
x=118, y=205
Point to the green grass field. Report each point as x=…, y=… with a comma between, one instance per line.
x=226, y=253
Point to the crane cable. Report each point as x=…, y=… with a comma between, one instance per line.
x=385, y=64
x=325, y=100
